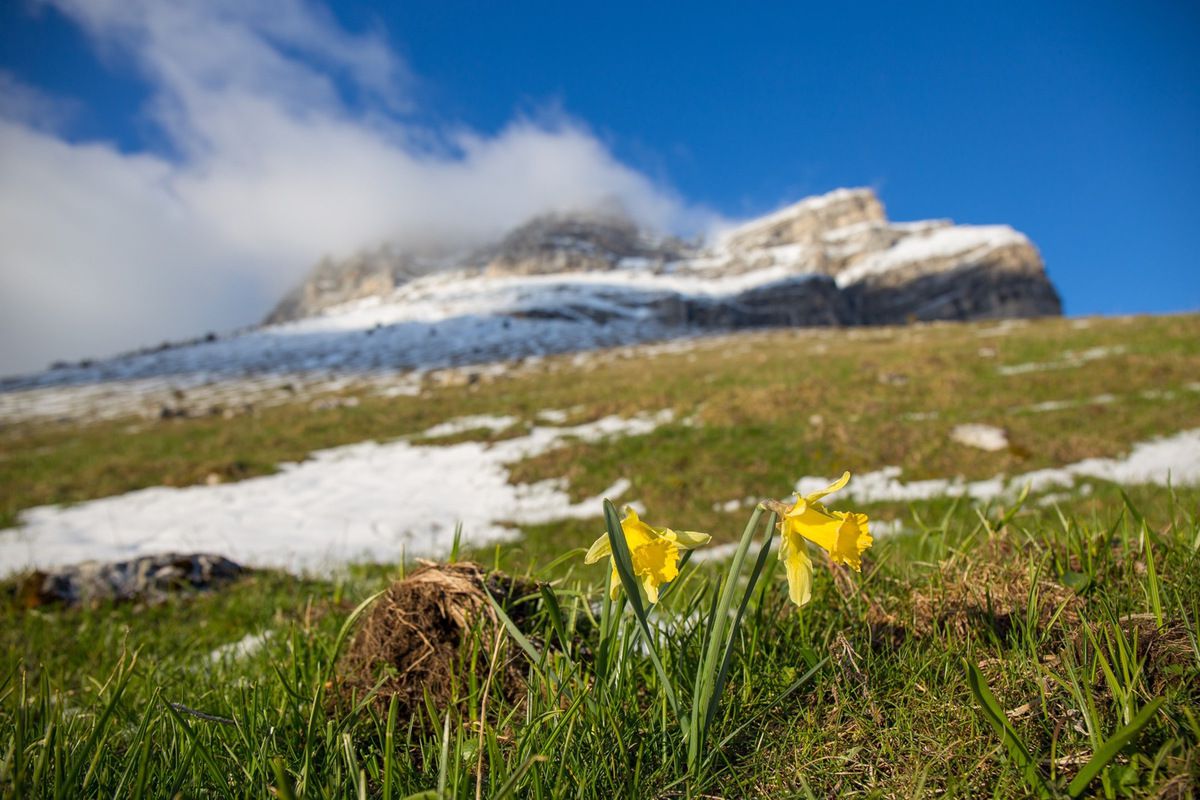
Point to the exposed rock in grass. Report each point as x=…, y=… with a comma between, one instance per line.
x=430, y=632
x=149, y=578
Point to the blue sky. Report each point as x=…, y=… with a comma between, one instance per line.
x=1077, y=123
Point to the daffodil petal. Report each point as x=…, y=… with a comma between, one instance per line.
x=653, y=551
x=837, y=485
x=691, y=539
x=651, y=588
x=820, y=528
x=799, y=575
x=637, y=533
x=599, y=549
x=614, y=584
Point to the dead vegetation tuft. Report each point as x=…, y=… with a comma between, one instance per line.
x=1166, y=653
x=991, y=591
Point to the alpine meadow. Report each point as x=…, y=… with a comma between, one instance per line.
x=1035, y=634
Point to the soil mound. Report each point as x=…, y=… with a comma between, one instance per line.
x=431, y=631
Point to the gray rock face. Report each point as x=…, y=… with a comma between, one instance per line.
x=1006, y=283
x=148, y=578
x=374, y=273
x=574, y=243
x=828, y=260
x=802, y=301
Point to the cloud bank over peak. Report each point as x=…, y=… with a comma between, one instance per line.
x=289, y=138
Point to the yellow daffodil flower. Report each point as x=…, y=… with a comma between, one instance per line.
x=844, y=534
x=655, y=553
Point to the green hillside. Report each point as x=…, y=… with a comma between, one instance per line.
x=1077, y=605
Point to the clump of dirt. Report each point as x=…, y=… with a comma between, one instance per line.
x=430, y=631
x=989, y=591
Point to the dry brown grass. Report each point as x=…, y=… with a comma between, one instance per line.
x=988, y=592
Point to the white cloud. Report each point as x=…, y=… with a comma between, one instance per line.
x=19, y=101
x=102, y=250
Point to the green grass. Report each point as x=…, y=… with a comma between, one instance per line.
x=890, y=714
x=1049, y=603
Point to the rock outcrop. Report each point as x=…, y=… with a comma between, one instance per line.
x=370, y=273
x=809, y=221
x=828, y=260
x=951, y=273
x=147, y=578
x=575, y=243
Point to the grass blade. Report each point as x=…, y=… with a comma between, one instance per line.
x=510, y=785
x=706, y=675
x=389, y=750
x=554, y=611
x=284, y=787
x=1109, y=750
x=444, y=758
x=996, y=717
x=714, y=701
x=1152, y=580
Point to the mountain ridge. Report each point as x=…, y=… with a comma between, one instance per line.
x=883, y=272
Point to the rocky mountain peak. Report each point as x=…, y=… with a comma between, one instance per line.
x=367, y=273
x=807, y=221
x=573, y=242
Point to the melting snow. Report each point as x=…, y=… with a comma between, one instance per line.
x=1175, y=458
x=246, y=646
x=464, y=424
x=1070, y=359
x=721, y=552
x=366, y=501
x=984, y=437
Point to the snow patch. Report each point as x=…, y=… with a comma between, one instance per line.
x=730, y=506
x=1096, y=400
x=931, y=245
x=463, y=424
x=1174, y=458
x=722, y=552
x=983, y=437
x=362, y=502
x=768, y=221
x=246, y=646
x=1069, y=360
